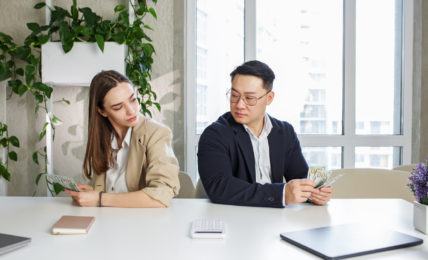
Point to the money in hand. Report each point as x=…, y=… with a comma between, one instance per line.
x=320, y=176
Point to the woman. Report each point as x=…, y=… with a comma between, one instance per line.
x=130, y=156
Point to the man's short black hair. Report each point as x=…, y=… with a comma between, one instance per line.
x=258, y=69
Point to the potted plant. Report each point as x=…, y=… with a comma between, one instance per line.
x=419, y=186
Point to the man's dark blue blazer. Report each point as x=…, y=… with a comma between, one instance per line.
x=227, y=167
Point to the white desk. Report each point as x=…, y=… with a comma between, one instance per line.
x=252, y=233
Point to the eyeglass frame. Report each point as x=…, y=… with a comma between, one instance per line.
x=228, y=95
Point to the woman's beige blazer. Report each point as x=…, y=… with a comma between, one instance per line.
x=152, y=166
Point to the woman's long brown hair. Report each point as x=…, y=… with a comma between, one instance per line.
x=98, y=155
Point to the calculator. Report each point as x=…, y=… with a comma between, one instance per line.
x=208, y=228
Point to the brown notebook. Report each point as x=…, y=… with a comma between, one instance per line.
x=70, y=225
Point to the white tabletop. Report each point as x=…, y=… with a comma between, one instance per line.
x=252, y=233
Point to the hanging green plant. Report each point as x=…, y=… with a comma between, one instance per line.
x=84, y=25
x=76, y=25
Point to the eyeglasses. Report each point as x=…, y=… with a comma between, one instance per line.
x=249, y=100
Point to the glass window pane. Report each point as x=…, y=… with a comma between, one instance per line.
x=328, y=157
x=377, y=157
x=302, y=42
x=378, y=66
x=219, y=49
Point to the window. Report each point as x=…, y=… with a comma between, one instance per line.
x=343, y=73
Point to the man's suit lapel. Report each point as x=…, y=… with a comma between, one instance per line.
x=276, y=158
x=245, y=146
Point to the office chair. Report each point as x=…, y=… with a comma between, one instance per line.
x=372, y=183
x=200, y=191
x=406, y=167
x=187, y=190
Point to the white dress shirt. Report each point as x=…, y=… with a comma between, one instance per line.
x=261, y=154
x=116, y=175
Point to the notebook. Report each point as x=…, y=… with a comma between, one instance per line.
x=343, y=241
x=11, y=242
x=69, y=225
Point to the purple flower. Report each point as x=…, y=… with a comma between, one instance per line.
x=419, y=182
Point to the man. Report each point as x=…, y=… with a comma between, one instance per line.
x=244, y=155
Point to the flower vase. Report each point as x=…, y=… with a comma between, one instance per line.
x=420, y=217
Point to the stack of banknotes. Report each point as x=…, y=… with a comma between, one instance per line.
x=321, y=177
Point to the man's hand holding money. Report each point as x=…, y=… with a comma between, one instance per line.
x=323, y=190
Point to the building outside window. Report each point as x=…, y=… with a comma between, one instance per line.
x=340, y=73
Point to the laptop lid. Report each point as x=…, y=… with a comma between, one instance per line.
x=11, y=242
x=343, y=241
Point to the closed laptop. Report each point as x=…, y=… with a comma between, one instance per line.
x=349, y=240
x=12, y=242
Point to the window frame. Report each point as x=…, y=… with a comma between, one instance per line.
x=349, y=140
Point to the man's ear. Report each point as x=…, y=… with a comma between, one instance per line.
x=101, y=112
x=270, y=97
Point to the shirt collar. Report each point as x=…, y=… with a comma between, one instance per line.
x=125, y=141
x=267, y=127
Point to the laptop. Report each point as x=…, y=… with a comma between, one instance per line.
x=349, y=240
x=11, y=242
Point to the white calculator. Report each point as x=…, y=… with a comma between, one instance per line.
x=208, y=228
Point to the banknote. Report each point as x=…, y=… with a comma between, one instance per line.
x=321, y=177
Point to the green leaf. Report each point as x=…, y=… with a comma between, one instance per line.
x=38, y=97
x=74, y=12
x=14, y=141
x=4, y=172
x=66, y=36
x=20, y=72
x=38, y=178
x=124, y=17
x=33, y=27
x=86, y=31
x=4, y=142
x=148, y=27
x=35, y=158
x=90, y=17
x=157, y=106
x=100, y=41
x=67, y=46
x=141, y=10
x=58, y=188
x=56, y=120
x=4, y=73
x=152, y=11
x=40, y=5
x=119, y=37
x=10, y=64
x=44, y=88
x=42, y=134
x=30, y=71
x=45, y=125
x=22, y=89
x=23, y=52
x=13, y=156
x=44, y=38
x=119, y=8
x=14, y=83
x=63, y=100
